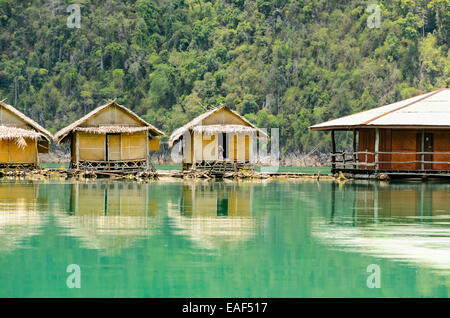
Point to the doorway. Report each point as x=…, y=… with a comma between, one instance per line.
x=223, y=148
x=112, y=147
x=428, y=148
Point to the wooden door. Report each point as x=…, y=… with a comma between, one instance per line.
x=428, y=147
x=113, y=147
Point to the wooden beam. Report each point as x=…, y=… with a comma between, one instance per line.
x=333, y=151
x=354, y=148
x=422, y=149
x=148, y=151
x=377, y=147
x=77, y=150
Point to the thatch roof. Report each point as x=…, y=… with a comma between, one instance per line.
x=60, y=135
x=111, y=129
x=18, y=134
x=214, y=129
x=13, y=132
x=176, y=135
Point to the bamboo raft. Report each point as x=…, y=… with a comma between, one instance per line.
x=153, y=174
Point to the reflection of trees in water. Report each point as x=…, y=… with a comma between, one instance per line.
x=110, y=216
x=19, y=214
x=404, y=222
x=214, y=214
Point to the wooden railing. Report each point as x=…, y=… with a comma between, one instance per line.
x=368, y=159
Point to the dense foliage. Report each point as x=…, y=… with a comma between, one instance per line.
x=281, y=63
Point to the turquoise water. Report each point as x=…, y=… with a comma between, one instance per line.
x=224, y=239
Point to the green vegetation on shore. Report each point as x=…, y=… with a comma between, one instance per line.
x=281, y=63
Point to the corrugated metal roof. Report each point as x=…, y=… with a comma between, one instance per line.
x=426, y=110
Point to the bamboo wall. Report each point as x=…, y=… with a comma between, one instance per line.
x=120, y=146
x=205, y=146
x=7, y=118
x=10, y=152
x=112, y=115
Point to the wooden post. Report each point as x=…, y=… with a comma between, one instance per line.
x=147, y=152
x=422, y=149
x=354, y=148
x=377, y=147
x=77, y=150
x=333, y=152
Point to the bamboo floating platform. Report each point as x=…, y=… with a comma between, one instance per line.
x=153, y=174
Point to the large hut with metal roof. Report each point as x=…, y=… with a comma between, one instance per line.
x=218, y=139
x=406, y=138
x=110, y=138
x=21, y=139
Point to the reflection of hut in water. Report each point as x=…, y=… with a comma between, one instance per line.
x=214, y=214
x=373, y=199
x=111, y=215
x=19, y=214
x=403, y=222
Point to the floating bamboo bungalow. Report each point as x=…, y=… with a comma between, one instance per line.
x=21, y=139
x=110, y=138
x=219, y=138
x=407, y=138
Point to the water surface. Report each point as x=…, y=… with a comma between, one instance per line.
x=224, y=239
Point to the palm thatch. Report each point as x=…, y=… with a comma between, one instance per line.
x=18, y=135
x=112, y=129
x=37, y=131
x=176, y=135
x=232, y=129
x=63, y=133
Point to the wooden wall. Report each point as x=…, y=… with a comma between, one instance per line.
x=406, y=141
x=366, y=143
x=441, y=144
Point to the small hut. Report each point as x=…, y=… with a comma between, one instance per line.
x=407, y=138
x=21, y=139
x=218, y=138
x=112, y=138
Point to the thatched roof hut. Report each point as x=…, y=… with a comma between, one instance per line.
x=220, y=134
x=21, y=138
x=110, y=137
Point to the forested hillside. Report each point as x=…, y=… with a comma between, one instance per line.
x=281, y=63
